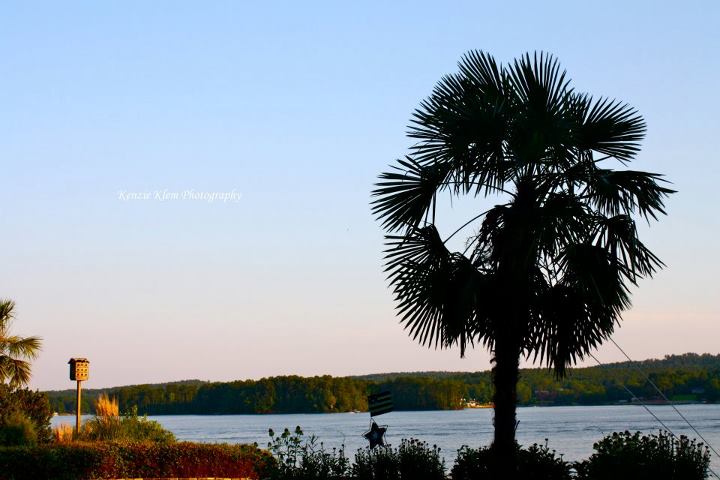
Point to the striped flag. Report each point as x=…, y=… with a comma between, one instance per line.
x=380, y=403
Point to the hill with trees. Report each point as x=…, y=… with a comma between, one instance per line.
x=689, y=377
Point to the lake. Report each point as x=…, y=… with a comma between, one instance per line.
x=569, y=430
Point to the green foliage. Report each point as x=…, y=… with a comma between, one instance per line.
x=286, y=394
x=18, y=430
x=534, y=463
x=688, y=376
x=305, y=459
x=413, y=459
x=632, y=456
x=299, y=458
x=127, y=428
x=15, y=352
x=26, y=404
x=78, y=461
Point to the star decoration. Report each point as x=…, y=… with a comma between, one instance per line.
x=376, y=435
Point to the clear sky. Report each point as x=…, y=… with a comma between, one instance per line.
x=296, y=107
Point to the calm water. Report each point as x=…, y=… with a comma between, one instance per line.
x=569, y=430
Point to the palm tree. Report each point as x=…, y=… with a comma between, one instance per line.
x=15, y=352
x=546, y=272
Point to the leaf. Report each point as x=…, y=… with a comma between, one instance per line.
x=439, y=294
x=405, y=195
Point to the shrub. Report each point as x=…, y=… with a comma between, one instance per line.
x=99, y=460
x=32, y=405
x=413, y=459
x=301, y=459
x=17, y=429
x=625, y=456
x=379, y=463
x=127, y=428
x=534, y=463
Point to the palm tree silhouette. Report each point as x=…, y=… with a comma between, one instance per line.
x=15, y=352
x=546, y=273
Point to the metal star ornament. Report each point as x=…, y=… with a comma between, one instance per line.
x=376, y=435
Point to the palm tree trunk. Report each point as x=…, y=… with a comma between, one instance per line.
x=505, y=375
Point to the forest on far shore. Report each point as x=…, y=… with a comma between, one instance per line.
x=685, y=378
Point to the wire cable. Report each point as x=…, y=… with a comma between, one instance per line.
x=657, y=389
x=669, y=430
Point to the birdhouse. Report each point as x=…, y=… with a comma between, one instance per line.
x=79, y=368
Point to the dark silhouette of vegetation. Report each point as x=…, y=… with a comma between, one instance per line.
x=688, y=377
x=537, y=462
x=301, y=458
x=412, y=459
x=633, y=456
x=546, y=274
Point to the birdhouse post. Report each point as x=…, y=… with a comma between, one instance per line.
x=79, y=371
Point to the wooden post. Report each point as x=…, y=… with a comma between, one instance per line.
x=78, y=407
x=79, y=371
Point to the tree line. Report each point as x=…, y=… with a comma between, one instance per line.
x=688, y=377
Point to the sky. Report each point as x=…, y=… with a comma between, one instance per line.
x=291, y=110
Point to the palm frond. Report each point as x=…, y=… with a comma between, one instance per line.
x=405, y=195
x=485, y=74
x=26, y=347
x=541, y=134
x=595, y=274
x=6, y=314
x=566, y=327
x=438, y=293
x=616, y=192
x=618, y=236
x=539, y=83
x=562, y=219
x=489, y=239
x=15, y=370
x=609, y=127
x=464, y=123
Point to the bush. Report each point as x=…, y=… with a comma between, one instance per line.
x=534, y=463
x=18, y=430
x=99, y=460
x=413, y=459
x=127, y=428
x=33, y=406
x=306, y=459
x=300, y=459
x=626, y=456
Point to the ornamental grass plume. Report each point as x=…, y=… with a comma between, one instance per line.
x=63, y=433
x=106, y=407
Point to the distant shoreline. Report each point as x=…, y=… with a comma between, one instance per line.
x=627, y=404
x=686, y=379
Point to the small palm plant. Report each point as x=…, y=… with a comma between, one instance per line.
x=16, y=352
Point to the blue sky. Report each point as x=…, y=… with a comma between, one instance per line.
x=297, y=106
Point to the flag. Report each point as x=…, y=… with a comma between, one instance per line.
x=380, y=403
